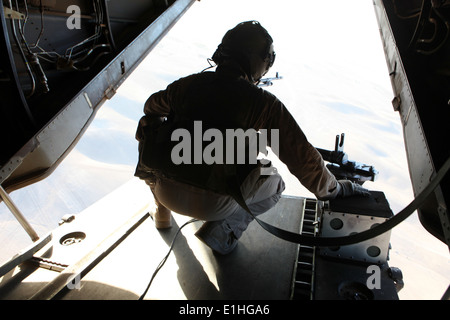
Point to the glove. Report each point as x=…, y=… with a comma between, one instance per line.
x=349, y=188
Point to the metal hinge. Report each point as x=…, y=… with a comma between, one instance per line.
x=11, y=14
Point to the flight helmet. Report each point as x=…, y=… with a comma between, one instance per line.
x=251, y=46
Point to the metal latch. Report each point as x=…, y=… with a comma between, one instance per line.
x=11, y=14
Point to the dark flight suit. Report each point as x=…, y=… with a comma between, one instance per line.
x=226, y=99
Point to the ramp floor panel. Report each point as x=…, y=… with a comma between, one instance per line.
x=260, y=267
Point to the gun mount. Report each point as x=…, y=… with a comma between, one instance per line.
x=267, y=82
x=343, y=168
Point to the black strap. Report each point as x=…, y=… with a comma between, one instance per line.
x=346, y=240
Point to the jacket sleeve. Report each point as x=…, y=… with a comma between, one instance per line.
x=157, y=106
x=294, y=150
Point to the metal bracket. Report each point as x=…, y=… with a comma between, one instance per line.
x=25, y=255
x=339, y=144
x=11, y=14
x=19, y=216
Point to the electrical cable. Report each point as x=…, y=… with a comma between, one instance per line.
x=163, y=261
x=210, y=65
x=411, y=14
x=72, y=58
x=41, y=10
x=98, y=12
x=22, y=53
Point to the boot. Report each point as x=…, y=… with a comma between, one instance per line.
x=218, y=236
x=162, y=217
